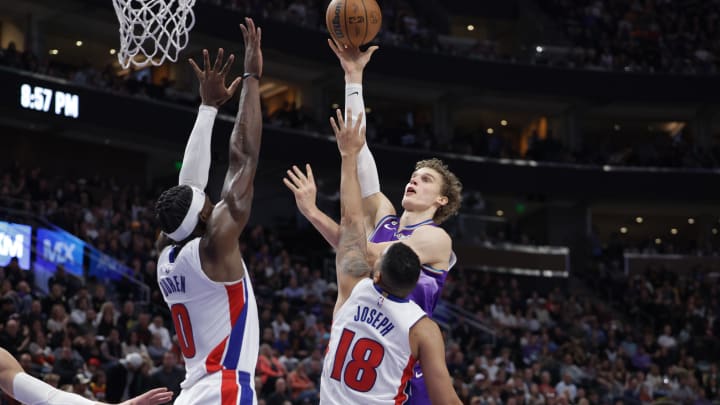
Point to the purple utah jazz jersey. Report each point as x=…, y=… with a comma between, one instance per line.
x=427, y=292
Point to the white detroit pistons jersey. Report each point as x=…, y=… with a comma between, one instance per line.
x=369, y=360
x=217, y=328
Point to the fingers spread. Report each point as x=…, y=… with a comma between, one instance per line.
x=218, y=60
x=308, y=169
x=334, y=126
x=290, y=185
x=196, y=68
x=234, y=85
x=206, y=60
x=341, y=121
x=294, y=178
x=300, y=174
x=228, y=65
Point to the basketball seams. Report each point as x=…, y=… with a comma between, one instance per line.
x=367, y=23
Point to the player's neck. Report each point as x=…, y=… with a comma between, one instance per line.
x=409, y=218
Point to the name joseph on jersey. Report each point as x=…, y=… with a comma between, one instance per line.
x=374, y=318
x=172, y=285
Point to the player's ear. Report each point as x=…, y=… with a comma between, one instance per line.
x=206, y=211
x=442, y=200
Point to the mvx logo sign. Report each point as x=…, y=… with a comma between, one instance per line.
x=15, y=242
x=60, y=247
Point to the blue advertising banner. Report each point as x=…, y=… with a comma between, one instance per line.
x=105, y=267
x=15, y=242
x=60, y=247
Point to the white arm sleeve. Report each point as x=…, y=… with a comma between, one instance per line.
x=31, y=391
x=196, y=161
x=367, y=170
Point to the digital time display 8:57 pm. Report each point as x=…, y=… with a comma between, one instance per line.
x=46, y=100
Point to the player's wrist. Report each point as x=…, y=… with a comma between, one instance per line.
x=209, y=106
x=354, y=77
x=311, y=212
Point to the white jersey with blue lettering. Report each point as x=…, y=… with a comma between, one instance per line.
x=369, y=360
x=217, y=328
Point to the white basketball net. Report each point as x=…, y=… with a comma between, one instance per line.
x=152, y=31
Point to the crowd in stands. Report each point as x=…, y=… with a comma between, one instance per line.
x=404, y=131
x=540, y=343
x=655, y=36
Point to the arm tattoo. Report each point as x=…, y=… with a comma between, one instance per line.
x=351, y=253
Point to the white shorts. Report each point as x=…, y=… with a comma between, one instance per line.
x=222, y=387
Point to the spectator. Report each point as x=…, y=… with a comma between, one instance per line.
x=158, y=326
x=168, y=374
x=281, y=395
x=269, y=368
x=303, y=389
x=566, y=388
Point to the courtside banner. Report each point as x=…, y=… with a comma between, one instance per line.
x=15, y=242
x=105, y=267
x=60, y=247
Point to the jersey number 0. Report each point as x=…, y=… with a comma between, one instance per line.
x=183, y=329
x=361, y=371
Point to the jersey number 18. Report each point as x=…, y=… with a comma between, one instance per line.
x=361, y=371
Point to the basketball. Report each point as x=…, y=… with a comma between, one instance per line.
x=353, y=22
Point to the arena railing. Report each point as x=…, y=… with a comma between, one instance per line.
x=167, y=124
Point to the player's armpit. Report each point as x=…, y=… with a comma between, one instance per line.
x=426, y=337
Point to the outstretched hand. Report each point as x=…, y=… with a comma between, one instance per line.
x=350, y=135
x=303, y=188
x=253, y=52
x=153, y=397
x=352, y=59
x=212, y=79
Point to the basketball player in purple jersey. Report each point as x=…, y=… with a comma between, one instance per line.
x=431, y=196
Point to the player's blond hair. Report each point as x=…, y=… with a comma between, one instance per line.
x=451, y=188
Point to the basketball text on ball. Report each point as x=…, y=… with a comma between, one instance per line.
x=353, y=22
x=336, y=25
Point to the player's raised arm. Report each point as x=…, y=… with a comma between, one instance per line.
x=351, y=258
x=304, y=189
x=213, y=93
x=231, y=215
x=29, y=390
x=427, y=342
x=353, y=61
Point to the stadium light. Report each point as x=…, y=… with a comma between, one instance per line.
x=658, y=241
x=616, y=127
x=503, y=123
x=674, y=231
x=470, y=27
x=54, y=52
x=539, y=49
x=112, y=51
x=78, y=43
x=499, y=213
x=691, y=220
x=490, y=131
x=715, y=231
x=623, y=230
x=639, y=220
